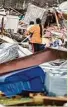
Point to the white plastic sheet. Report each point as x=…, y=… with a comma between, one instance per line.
x=56, y=77
x=33, y=12
x=63, y=7
x=12, y=23
x=8, y=52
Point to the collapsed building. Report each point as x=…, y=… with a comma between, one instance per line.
x=24, y=71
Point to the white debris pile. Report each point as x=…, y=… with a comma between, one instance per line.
x=8, y=52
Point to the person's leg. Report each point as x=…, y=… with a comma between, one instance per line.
x=30, y=47
x=34, y=47
x=37, y=47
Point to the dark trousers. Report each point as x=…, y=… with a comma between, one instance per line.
x=36, y=47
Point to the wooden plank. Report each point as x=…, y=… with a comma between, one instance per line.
x=59, y=49
x=31, y=101
x=7, y=39
x=57, y=21
x=55, y=98
x=32, y=60
x=15, y=10
x=9, y=101
x=55, y=101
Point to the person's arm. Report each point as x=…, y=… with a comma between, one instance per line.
x=30, y=31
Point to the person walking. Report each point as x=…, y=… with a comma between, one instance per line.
x=36, y=36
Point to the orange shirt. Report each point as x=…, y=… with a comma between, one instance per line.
x=36, y=34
